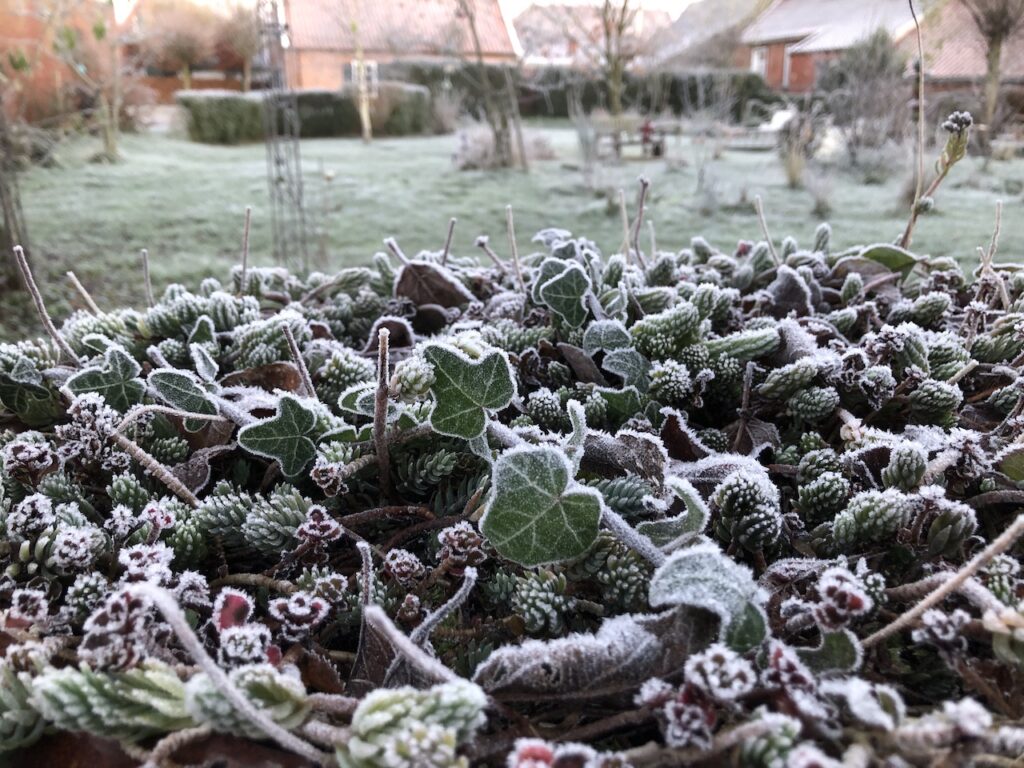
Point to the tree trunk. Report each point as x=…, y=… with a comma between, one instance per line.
x=993, y=59
x=108, y=126
x=615, y=68
x=186, y=77
x=247, y=75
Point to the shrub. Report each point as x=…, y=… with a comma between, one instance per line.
x=222, y=117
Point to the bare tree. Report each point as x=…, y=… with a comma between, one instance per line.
x=240, y=34
x=997, y=22
x=180, y=36
x=619, y=48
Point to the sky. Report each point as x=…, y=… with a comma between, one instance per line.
x=673, y=7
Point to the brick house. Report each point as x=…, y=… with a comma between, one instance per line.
x=323, y=36
x=792, y=40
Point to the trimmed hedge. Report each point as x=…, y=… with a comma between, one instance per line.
x=545, y=92
x=230, y=117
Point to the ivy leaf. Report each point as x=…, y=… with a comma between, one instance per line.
x=632, y=367
x=204, y=363
x=181, y=390
x=623, y=404
x=549, y=269
x=538, y=513
x=466, y=389
x=204, y=331
x=575, y=441
x=606, y=336
x=892, y=256
x=1011, y=462
x=24, y=393
x=702, y=576
x=566, y=293
x=285, y=437
x=693, y=519
x=747, y=630
x=116, y=380
x=838, y=652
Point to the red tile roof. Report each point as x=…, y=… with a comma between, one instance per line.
x=407, y=27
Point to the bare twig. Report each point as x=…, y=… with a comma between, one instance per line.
x=158, y=470
x=759, y=207
x=172, y=742
x=84, y=293
x=254, y=580
x=645, y=184
x=175, y=617
x=484, y=243
x=919, y=182
x=415, y=655
x=392, y=246
x=998, y=546
x=146, y=278
x=514, y=247
x=380, y=413
x=44, y=316
x=448, y=240
x=245, y=248
x=624, y=214
x=296, y=353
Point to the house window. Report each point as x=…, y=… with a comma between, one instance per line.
x=367, y=69
x=759, y=60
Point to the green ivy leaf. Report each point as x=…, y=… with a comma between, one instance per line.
x=838, y=652
x=693, y=519
x=747, y=630
x=606, y=336
x=632, y=367
x=116, y=380
x=566, y=294
x=181, y=390
x=891, y=256
x=1011, y=462
x=623, y=404
x=204, y=331
x=23, y=391
x=204, y=363
x=702, y=576
x=465, y=389
x=538, y=513
x=285, y=437
x=549, y=269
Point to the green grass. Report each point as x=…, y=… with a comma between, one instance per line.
x=185, y=202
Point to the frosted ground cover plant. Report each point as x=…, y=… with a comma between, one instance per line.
x=754, y=506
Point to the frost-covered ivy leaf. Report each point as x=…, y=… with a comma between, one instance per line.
x=23, y=391
x=286, y=436
x=892, y=256
x=692, y=519
x=623, y=404
x=838, y=652
x=360, y=399
x=116, y=380
x=549, y=269
x=538, y=513
x=204, y=363
x=624, y=653
x=876, y=705
x=632, y=367
x=703, y=576
x=203, y=332
x=566, y=294
x=606, y=336
x=97, y=343
x=465, y=389
x=747, y=630
x=1011, y=462
x=426, y=283
x=182, y=390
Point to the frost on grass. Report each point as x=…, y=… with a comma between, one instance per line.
x=672, y=503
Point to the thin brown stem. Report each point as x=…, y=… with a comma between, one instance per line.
x=147, y=279
x=484, y=243
x=158, y=470
x=510, y=223
x=392, y=246
x=624, y=214
x=296, y=353
x=759, y=208
x=254, y=580
x=44, y=316
x=245, y=247
x=380, y=413
x=385, y=513
x=645, y=184
x=448, y=240
x=84, y=294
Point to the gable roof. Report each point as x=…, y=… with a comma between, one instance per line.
x=955, y=51
x=408, y=27
x=827, y=25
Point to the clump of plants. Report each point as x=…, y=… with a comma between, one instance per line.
x=754, y=506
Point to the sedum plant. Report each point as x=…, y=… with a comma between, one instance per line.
x=755, y=505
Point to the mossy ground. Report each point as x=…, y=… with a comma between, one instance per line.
x=185, y=202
